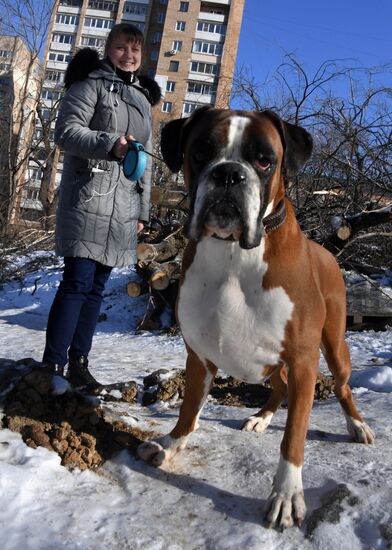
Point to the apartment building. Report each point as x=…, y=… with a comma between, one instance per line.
x=18, y=96
x=190, y=49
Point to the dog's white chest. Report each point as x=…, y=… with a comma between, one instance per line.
x=226, y=316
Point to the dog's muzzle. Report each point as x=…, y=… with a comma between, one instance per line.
x=227, y=205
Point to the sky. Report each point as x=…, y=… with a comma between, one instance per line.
x=356, y=31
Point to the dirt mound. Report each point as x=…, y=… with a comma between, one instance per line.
x=74, y=424
x=71, y=424
x=163, y=385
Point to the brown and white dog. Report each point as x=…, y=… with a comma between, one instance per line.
x=257, y=298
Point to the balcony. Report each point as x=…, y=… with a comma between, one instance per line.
x=216, y=17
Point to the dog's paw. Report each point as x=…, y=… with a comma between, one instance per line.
x=360, y=431
x=256, y=423
x=286, y=504
x=160, y=451
x=284, y=511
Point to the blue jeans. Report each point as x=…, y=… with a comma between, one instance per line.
x=75, y=310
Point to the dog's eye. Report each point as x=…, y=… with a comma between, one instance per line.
x=263, y=163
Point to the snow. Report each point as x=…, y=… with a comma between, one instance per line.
x=211, y=496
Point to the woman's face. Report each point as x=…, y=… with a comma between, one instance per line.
x=125, y=54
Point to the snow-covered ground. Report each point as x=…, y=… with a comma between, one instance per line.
x=212, y=495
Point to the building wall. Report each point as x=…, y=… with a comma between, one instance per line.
x=81, y=23
x=18, y=95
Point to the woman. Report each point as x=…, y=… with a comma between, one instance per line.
x=100, y=212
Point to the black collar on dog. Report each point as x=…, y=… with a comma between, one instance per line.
x=275, y=219
x=271, y=222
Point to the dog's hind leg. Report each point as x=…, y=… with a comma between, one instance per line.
x=337, y=356
x=198, y=380
x=260, y=421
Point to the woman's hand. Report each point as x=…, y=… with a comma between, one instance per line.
x=140, y=227
x=120, y=148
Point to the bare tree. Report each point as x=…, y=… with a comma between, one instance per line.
x=28, y=20
x=349, y=175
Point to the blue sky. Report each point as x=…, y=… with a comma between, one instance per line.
x=358, y=31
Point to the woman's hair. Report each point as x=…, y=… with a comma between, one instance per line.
x=132, y=33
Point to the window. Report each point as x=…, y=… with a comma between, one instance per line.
x=35, y=174
x=107, y=6
x=184, y=6
x=67, y=19
x=73, y=3
x=46, y=114
x=50, y=94
x=54, y=76
x=164, y=2
x=93, y=42
x=154, y=55
x=157, y=37
x=212, y=48
x=201, y=88
x=62, y=38
x=161, y=17
x=206, y=26
x=135, y=8
x=180, y=26
x=177, y=45
x=64, y=58
x=173, y=66
x=189, y=108
x=6, y=53
x=170, y=86
x=167, y=106
x=38, y=134
x=151, y=73
x=96, y=23
x=205, y=68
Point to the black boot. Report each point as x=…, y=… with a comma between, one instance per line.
x=79, y=375
x=54, y=368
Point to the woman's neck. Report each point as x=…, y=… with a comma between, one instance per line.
x=127, y=77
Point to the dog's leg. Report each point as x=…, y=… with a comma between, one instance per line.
x=286, y=503
x=260, y=421
x=198, y=380
x=337, y=355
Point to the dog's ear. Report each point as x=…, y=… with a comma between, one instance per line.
x=297, y=143
x=174, y=136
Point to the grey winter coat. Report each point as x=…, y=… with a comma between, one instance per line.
x=98, y=207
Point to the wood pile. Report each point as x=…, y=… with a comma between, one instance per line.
x=159, y=257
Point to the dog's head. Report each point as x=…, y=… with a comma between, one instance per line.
x=234, y=163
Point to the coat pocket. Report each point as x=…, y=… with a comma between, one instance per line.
x=94, y=191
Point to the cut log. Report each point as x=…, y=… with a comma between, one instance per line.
x=343, y=232
x=169, y=198
x=345, y=228
x=159, y=252
x=161, y=275
x=137, y=289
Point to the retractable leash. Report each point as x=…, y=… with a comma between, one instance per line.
x=135, y=161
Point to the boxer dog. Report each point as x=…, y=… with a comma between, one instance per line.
x=257, y=299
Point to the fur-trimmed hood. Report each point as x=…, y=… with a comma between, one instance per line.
x=86, y=61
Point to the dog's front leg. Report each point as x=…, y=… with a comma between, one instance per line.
x=198, y=380
x=286, y=504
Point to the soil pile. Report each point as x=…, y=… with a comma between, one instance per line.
x=72, y=424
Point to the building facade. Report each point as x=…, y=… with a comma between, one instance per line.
x=18, y=98
x=190, y=49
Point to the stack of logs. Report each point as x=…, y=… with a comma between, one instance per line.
x=159, y=262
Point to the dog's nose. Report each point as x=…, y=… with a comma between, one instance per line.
x=228, y=173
